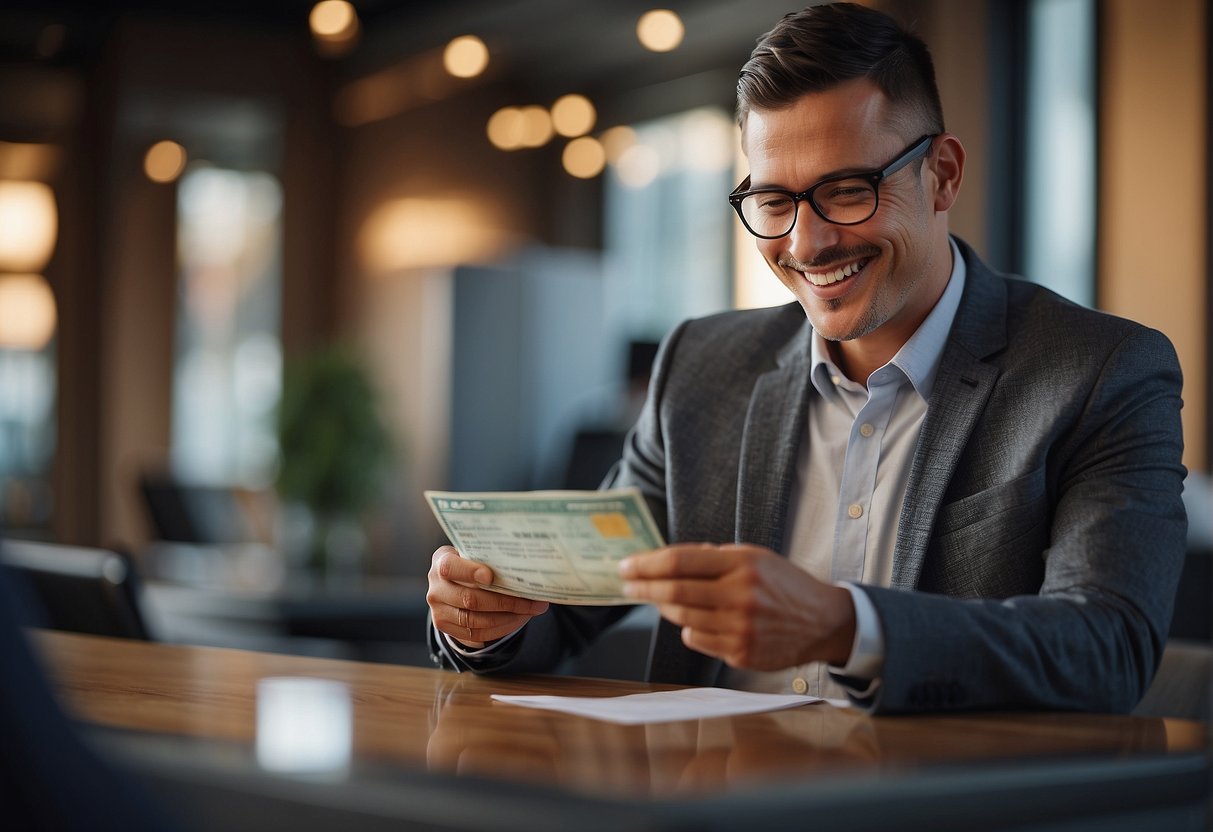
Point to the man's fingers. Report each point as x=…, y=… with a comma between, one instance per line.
x=479, y=627
x=690, y=593
x=682, y=560
x=461, y=622
x=449, y=565
x=463, y=597
x=704, y=620
x=726, y=647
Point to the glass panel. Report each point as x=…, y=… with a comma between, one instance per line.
x=227, y=377
x=1060, y=199
x=669, y=225
x=27, y=438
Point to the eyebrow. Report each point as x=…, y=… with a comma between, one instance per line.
x=851, y=171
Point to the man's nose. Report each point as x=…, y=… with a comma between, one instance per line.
x=811, y=234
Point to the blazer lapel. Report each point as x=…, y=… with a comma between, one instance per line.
x=773, y=429
x=962, y=387
x=774, y=426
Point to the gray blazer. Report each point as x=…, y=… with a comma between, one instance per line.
x=1042, y=533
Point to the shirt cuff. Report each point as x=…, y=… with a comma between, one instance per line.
x=867, y=651
x=474, y=652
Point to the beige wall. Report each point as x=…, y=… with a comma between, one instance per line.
x=1152, y=247
x=952, y=30
x=422, y=191
x=137, y=349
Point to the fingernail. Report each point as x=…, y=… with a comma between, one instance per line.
x=483, y=576
x=631, y=589
x=626, y=567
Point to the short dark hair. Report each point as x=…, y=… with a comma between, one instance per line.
x=822, y=46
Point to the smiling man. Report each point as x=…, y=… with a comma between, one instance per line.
x=925, y=485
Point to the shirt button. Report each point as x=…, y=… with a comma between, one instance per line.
x=835, y=380
x=855, y=511
x=866, y=430
x=800, y=685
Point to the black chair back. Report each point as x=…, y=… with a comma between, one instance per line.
x=75, y=588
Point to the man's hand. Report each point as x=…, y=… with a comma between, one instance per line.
x=465, y=611
x=744, y=604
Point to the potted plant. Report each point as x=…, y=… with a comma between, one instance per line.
x=333, y=453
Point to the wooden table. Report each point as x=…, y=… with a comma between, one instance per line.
x=426, y=742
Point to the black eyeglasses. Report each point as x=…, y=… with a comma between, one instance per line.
x=848, y=199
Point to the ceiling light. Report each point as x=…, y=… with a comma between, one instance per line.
x=584, y=157
x=660, y=30
x=335, y=26
x=573, y=115
x=164, y=161
x=27, y=312
x=505, y=128
x=332, y=19
x=29, y=224
x=465, y=56
x=536, y=126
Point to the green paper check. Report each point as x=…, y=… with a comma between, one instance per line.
x=559, y=546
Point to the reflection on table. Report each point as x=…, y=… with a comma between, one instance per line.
x=416, y=720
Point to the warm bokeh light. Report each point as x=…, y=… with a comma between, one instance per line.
x=660, y=30
x=164, y=161
x=573, y=115
x=27, y=311
x=465, y=56
x=638, y=165
x=536, y=126
x=505, y=128
x=584, y=157
x=513, y=127
x=420, y=232
x=28, y=226
x=616, y=141
x=335, y=27
x=332, y=19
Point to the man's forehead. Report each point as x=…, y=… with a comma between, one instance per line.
x=849, y=107
x=801, y=143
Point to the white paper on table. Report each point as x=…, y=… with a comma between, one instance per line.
x=664, y=706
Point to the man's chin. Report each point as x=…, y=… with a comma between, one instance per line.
x=824, y=323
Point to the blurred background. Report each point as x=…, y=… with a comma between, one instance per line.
x=270, y=268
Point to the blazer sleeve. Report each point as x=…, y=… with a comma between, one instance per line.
x=1091, y=639
x=567, y=630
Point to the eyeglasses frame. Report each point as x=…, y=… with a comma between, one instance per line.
x=919, y=147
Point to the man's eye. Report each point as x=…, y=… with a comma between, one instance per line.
x=774, y=203
x=848, y=192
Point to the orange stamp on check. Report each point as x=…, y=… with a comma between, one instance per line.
x=611, y=525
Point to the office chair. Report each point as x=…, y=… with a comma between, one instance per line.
x=75, y=588
x=183, y=513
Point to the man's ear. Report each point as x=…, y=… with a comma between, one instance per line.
x=947, y=163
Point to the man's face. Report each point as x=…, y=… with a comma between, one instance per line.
x=898, y=257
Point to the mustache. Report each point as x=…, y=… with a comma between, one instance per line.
x=828, y=256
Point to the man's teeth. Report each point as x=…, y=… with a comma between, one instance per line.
x=826, y=278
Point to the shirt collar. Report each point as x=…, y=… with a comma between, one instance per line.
x=918, y=359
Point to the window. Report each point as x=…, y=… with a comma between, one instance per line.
x=668, y=226
x=1060, y=159
x=228, y=369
